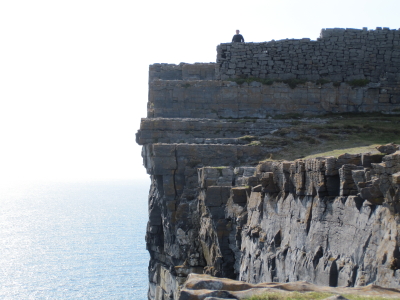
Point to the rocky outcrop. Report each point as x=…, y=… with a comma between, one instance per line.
x=219, y=205
x=329, y=221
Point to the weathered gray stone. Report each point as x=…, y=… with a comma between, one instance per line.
x=388, y=149
x=213, y=209
x=220, y=99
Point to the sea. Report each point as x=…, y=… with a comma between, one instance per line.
x=74, y=240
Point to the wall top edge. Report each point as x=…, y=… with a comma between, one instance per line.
x=328, y=32
x=183, y=63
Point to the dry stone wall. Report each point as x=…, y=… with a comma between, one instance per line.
x=327, y=66
x=198, y=71
x=225, y=99
x=338, y=55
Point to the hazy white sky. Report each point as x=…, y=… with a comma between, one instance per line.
x=73, y=74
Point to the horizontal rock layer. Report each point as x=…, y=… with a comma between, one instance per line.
x=214, y=99
x=210, y=131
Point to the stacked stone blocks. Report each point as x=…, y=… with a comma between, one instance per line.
x=338, y=55
x=328, y=68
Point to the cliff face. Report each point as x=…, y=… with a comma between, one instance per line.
x=327, y=221
x=214, y=208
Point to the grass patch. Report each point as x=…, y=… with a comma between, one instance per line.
x=310, y=296
x=326, y=136
x=255, y=143
x=293, y=82
x=358, y=82
x=322, y=81
x=252, y=79
x=295, y=122
x=248, y=138
x=220, y=168
x=241, y=120
x=354, y=150
x=186, y=85
x=291, y=296
x=359, y=297
x=309, y=139
x=288, y=116
x=337, y=134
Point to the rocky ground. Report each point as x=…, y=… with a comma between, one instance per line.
x=286, y=137
x=199, y=287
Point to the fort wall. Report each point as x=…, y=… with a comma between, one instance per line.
x=337, y=55
x=345, y=70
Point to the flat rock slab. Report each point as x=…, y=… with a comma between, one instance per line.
x=336, y=297
x=206, y=287
x=216, y=298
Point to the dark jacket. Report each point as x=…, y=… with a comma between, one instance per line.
x=238, y=38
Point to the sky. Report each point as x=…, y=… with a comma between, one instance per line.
x=74, y=74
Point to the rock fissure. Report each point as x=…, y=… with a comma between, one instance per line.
x=174, y=176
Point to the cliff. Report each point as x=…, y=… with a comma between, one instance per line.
x=220, y=205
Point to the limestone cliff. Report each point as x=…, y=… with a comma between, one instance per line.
x=218, y=206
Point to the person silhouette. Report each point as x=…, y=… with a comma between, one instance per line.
x=237, y=38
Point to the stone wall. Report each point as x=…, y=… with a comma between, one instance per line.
x=197, y=71
x=226, y=99
x=327, y=68
x=338, y=55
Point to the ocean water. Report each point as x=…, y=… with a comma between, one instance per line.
x=80, y=240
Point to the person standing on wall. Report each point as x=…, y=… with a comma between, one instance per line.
x=237, y=38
